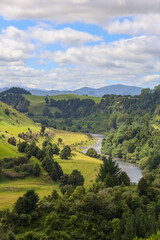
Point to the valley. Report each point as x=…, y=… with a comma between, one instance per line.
x=57, y=181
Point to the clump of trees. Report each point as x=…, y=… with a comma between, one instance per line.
x=45, y=155
x=27, y=203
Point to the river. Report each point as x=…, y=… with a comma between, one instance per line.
x=133, y=171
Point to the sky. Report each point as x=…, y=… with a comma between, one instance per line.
x=69, y=44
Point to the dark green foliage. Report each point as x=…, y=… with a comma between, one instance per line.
x=117, y=213
x=91, y=152
x=45, y=155
x=43, y=127
x=143, y=186
x=16, y=90
x=154, y=160
x=76, y=178
x=135, y=142
x=15, y=100
x=59, y=140
x=46, y=100
x=109, y=166
x=22, y=146
x=146, y=98
x=64, y=179
x=11, y=236
x=65, y=153
x=57, y=115
x=55, y=149
x=74, y=107
x=67, y=190
x=36, y=170
x=27, y=203
x=21, y=166
x=123, y=178
x=53, y=168
x=46, y=112
x=48, y=164
x=12, y=141
x=111, y=174
x=6, y=111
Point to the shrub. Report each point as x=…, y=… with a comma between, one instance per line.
x=65, y=153
x=6, y=111
x=91, y=152
x=12, y=141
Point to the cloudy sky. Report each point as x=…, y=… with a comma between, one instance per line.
x=68, y=44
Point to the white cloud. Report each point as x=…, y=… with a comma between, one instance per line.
x=140, y=24
x=13, y=48
x=89, y=11
x=66, y=36
x=138, y=50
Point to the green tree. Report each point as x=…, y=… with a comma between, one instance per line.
x=123, y=178
x=36, y=170
x=76, y=178
x=27, y=203
x=142, y=186
x=91, y=152
x=45, y=112
x=55, y=149
x=65, y=153
x=59, y=140
x=109, y=166
x=12, y=141
x=43, y=128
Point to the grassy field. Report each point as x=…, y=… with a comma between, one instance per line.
x=15, y=123
x=41, y=99
x=10, y=190
x=87, y=165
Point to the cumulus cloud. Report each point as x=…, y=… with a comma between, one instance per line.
x=140, y=24
x=129, y=61
x=89, y=11
x=66, y=36
x=14, y=49
x=136, y=50
x=47, y=35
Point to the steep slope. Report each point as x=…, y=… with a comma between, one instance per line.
x=13, y=123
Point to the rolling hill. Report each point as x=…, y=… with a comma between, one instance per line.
x=13, y=123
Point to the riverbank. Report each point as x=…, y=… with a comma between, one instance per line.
x=133, y=171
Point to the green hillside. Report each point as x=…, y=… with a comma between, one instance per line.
x=14, y=123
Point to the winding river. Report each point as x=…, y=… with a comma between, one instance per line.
x=133, y=171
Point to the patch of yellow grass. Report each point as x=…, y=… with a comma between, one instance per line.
x=86, y=165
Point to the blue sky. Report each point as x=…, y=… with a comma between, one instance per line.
x=69, y=44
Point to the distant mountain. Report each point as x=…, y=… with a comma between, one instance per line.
x=3, y=89
x=117, y=89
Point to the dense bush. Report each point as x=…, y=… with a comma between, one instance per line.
x=66, y=152
x=91, y=152
x=12, y=141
